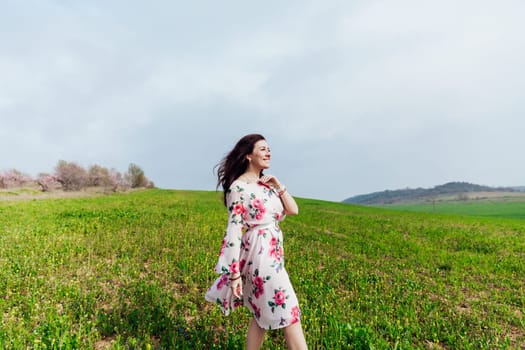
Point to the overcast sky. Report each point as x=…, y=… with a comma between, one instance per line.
x=352, y=96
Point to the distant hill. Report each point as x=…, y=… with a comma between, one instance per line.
x=459, y=190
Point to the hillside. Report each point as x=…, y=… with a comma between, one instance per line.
x=451, y=190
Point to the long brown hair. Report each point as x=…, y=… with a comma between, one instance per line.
x=235, y=163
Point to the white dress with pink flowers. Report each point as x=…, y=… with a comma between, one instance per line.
x=253, y=246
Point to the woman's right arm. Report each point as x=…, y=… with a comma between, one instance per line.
x=231, y=245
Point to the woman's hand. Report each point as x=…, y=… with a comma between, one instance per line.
x=290, y=206
x=236, y=286
x=270, y=180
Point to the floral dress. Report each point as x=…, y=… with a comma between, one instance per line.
x=253, y=246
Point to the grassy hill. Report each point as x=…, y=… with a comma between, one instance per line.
x=451, y=191
x=131, y=270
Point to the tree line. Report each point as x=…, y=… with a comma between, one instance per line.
x=70, y=176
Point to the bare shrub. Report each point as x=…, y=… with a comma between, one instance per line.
x=72, y=176
x=97, y=175
x=136, y=176
x=100, y=176
x=118, y=181
x=14, y=178
x=47, y=182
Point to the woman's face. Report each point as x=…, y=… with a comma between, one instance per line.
x=260, y=156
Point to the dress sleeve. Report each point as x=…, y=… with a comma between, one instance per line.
x=280, y=214
x=231, y=244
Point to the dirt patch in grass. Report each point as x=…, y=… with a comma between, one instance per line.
x=26, y=194
x=22, y=195
x=104, y=343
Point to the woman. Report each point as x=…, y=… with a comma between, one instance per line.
x=251, y=261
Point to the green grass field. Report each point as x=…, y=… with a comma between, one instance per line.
x=129, y=271
x=506, y=208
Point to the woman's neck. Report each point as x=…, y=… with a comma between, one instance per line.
x=251, y=175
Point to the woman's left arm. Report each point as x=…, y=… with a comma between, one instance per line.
x=290, y=206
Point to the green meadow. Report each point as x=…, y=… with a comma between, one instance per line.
x=129, y=271
x=502, y=208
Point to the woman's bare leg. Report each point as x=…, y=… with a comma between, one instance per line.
x=255, y=336
x=294, y=337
